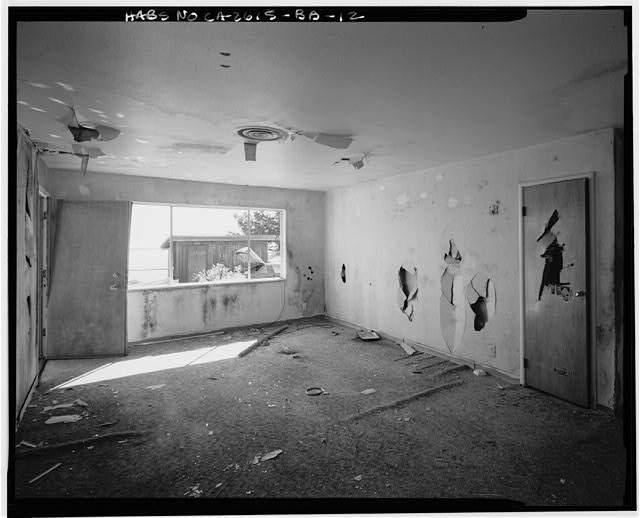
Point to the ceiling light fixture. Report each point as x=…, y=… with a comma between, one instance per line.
x=253, y=135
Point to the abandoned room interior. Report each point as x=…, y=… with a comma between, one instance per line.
x=374, y=260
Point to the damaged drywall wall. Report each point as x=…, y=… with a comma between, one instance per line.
x=190, y=309
x=486, y=235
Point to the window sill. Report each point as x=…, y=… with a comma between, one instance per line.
x=187, y=285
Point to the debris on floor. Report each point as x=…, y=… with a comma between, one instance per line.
x=81, y=403
x=72, y=418
x=368, y=336
x=479, y=372
x=271, y=455
x=262, y=340
x=500, y=386
x=287, y=350
x=28, y=444
x=55, y=466
x=156, y=387
x=194, y=491
x=403, y=401
x=407, y=348
x=358, y=478
x=108, y=423
x=368, y=391
x=315, y=391
x=55, y=407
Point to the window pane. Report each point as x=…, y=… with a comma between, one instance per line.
x=265, y=243
x=148, y=261
x=209, y=245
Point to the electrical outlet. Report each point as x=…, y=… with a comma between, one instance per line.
x=492, y=351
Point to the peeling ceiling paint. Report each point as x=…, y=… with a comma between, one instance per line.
x=420, y=94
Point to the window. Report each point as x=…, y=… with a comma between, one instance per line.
x=171, y=244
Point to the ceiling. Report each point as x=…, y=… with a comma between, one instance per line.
x=410, y=95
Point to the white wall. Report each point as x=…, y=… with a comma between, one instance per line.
x=373, y=228
x=187, y=310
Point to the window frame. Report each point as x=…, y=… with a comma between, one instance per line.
x=283, y=248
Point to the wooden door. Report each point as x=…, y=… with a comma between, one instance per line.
x=88, y=296
x=556, y=289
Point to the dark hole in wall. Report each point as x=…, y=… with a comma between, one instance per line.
x=484, y=306
x=29, y=304
x=407, y=289
x=28, y=259
x=553, y=259
x=343, y=274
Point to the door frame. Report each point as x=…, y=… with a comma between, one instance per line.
x=591, y=252
x=43, y=261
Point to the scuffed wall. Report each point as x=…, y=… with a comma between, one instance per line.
x=30, y=172
x=185, y=310
x=458, y=224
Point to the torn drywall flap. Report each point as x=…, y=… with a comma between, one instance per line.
x=87, y=130
x=408, y=288
x=334, y=141
x=452, y=300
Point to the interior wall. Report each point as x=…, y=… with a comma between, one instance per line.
x=375, y=228
x=183, y=310
x=30, y=172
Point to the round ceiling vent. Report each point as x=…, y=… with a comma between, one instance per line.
x=262, y=133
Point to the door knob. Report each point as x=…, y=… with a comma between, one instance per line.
x=579, y=293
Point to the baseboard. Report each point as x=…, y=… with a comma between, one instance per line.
x=436, y=351
x=26, y=401
x=187, y=336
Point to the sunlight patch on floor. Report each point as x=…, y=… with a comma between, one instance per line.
x=160, y=362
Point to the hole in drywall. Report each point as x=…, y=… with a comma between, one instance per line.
x=452, y=309
x=28, y=259
x=224, y=65
x=494, y=208
x=407, y=289
x=226, y=54
x=481, y=294
x=29, y=304
x=343, y=274
x=453, y=255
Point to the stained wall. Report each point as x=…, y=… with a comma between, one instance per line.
x=184, y=310
x=374, y=228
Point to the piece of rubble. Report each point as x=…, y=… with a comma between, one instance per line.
x=72, y=418
x=358, y=478
x=80, y=402
x=368, y=336
x=55, y=407
x=271, y=455
x=368, y=391
x=407, y=348
x=479, y=372
x=156, y=387
x=55, y=466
